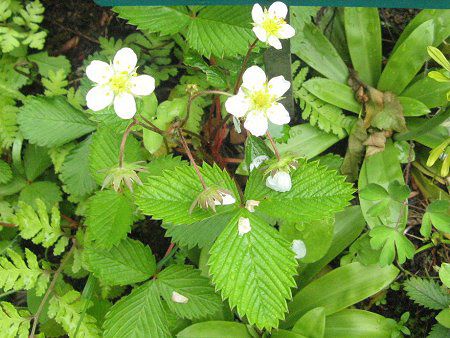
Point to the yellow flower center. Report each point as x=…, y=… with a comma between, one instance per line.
x=120, y=82
x=262, y=100
x=272, y=25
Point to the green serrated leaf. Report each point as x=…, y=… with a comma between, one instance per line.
x=427, y=293
x=126, y=263
x=109, y=218
x=46, y=191
x=254, y=282
x=51, y=122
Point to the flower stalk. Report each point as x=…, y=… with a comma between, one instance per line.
x=191, y=159
x=272, y=142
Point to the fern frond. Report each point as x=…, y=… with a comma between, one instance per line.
x=8, y=122
x=300, y=77
x=69, y=310
x=15, y=274
x=36, y=225
x=13, y=323
x=427, y=293
x=327, y=117
x=55, y=84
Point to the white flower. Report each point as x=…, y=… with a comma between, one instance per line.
x=281, y=181
x=179, y=298
x=257, y=101
x=298, y=246
x=251, y=204
x=118, y=84
x=270, y=26
x=257, y=161
x=226, y=199
x=244, y=226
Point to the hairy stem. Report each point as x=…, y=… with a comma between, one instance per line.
x=152, y=125
x=124, y=141
x=50, y=290
x=272, y=142
x=191, y=159
x=244, y=65
x=193, y=97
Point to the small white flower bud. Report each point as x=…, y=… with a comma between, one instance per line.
x=299, y=247
x=281, y=181
x=178, y=298
x=251, y=204
x=244, y=226
x=227, y=199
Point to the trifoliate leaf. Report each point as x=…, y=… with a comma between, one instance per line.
x=38, y=227
x=104, y=153
x=202, y=233
x=437, y=214
x=157, y=166
x=392, y=243
x=138, y=315
x=170, y=196
x=126, y=263
x=427, y=293
x=14, y=323
x=75, y=173
x=48, y=192
x=69, y=310
x=17, y=275
x=253, y=281
x=109, y=218
x=36, y=161
x=316, y=193
x=51, y=122
x=198, y=298
x=47, y=63
x=5, y=172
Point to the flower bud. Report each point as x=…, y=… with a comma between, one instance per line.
x=280, y=181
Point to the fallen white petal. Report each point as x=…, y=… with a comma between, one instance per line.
x=99, y=72
x=256, y=123
x=99, y=97
x=277, y=114
x=125, y=105
x=227, y=199
x=257, y=161
x=125, y=60
x=244, y=226
x=278, y=86
x=260, y=33
x=237, y=105
x=286, y=31
x=179, y=298
x=280, y=182
x=257, y=13
x=278, y=9
x=299, y=247
x=251, y=204
x=274, y=42
x=142, y=85
x=254, y=78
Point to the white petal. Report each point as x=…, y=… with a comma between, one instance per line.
x=125, y=60
x=278, y=9
x=99, y=97
x=277, y=114
x=257, y=161
x=260, y=33
x=179, y=298
x=286, y=31
x=274, y=42
x=280, y=182
x=278, y=86
x=244, y=226
x=227, y=199
x=251, y=204
x=299, y=247
x=142, y=85
x=254, y=78
x=257, y=13
x=99, y=72
x=125, y=105
x=256, y=123
x=237, y=105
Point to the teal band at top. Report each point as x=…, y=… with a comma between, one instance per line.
x=438, y=4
